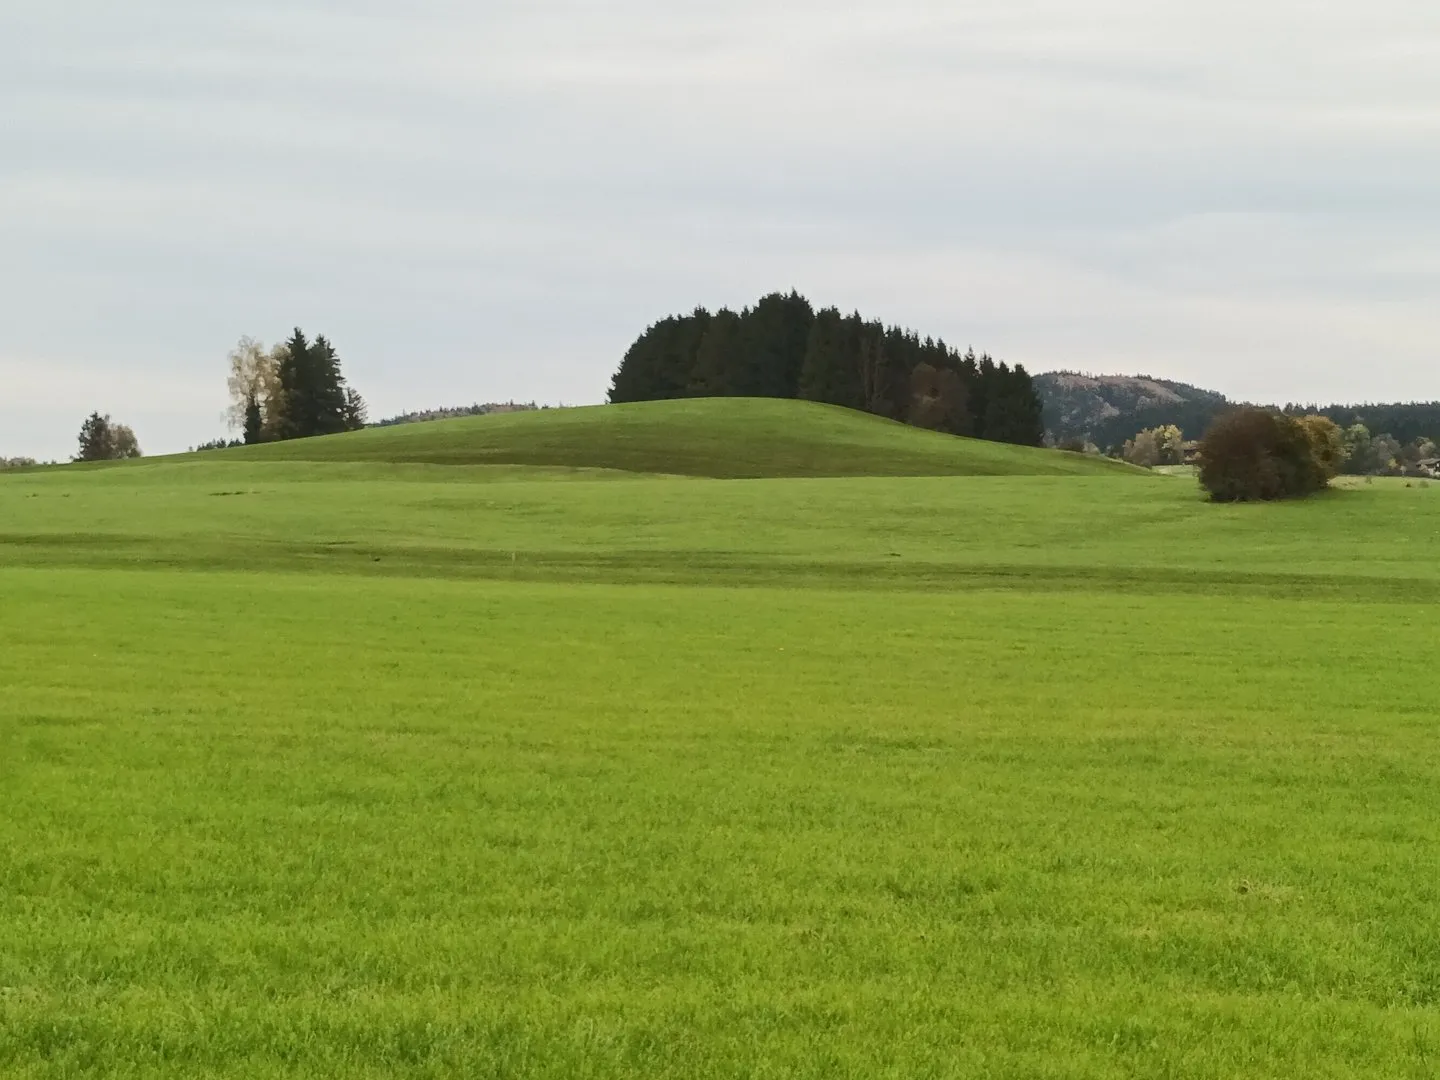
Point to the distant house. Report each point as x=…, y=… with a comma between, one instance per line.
x=1191, y=453
x=1429, y=467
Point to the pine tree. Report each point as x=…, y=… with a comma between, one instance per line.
x=313, y=398
x=101, y=439
x=883, y=381
x=297, y=408
x=830, y=371
x=983, y=388
x=776, y=333
x=328, y=388
x=254, y=421
x=716, y=370
x=94, y=439
x=1029, y=423
x=659, y=365
x=1013, y=408
x=356, y=412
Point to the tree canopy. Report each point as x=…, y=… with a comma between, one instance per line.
x=292, y=391
x=102, y=439
x=1251, y=454
x=783, y=348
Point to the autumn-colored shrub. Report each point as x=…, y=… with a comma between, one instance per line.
x=1254, y=454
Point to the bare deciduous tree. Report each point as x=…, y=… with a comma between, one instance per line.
x=254, y=385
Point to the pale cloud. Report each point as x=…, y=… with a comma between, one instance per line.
x=489, y=200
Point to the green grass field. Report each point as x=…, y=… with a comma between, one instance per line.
x=453, y=751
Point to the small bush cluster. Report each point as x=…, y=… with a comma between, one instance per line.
x=102, y=439
x=1163, y=445
x=1252, y=454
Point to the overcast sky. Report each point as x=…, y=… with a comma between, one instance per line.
x=489, y=199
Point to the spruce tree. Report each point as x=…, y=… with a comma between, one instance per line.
x=999, y=405
x=328, y=388
x=716, y=370
x=776, y=332
x=1013, y=408
x=101, y=439
x=297, y=407
x=1029, y=423
x=884, y=382
x=313, y=398
x=830, y=371
x=356, y=411
x=983, y=389
x=658, y=366
x=94, y=438
x=254, y=421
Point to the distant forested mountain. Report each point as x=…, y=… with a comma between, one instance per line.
x=1109, y=409
x=783, y=348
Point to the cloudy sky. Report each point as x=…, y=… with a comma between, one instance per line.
x=488, y=199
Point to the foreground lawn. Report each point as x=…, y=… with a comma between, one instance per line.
x=402, y=773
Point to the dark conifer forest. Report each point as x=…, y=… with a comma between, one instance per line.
x=783, y=348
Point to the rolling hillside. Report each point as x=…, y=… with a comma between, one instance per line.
x=713, y=437
x=317, y=764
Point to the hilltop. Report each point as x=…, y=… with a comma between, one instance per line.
x=1108, y=409
x=710, y=437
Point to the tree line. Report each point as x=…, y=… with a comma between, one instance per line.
x=1404, y=422
x=1359, y=453
x=783, y=348
x=291, y=391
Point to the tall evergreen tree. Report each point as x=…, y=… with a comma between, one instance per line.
x=357, y=414
x=884, y=380
x=313, y=397
x=94, y=439
x=659, y=365
x=1013, y=409
x=717, y=370
x=982, y=389
x=102, y=439
x=828, y=373
x=328, y=388
x=776, y=332
x=254, y=421
x=296, y=415
x=1029, y=410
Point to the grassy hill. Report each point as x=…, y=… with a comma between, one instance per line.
x=714, y=437
x=332, y=759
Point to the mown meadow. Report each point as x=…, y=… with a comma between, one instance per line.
x=902, y=758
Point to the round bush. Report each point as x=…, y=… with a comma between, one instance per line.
x=1254, y=454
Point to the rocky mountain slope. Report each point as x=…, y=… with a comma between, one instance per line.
x=1108, y=409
